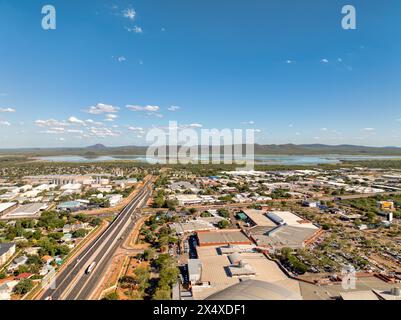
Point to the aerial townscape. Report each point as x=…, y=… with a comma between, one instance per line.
x=199, y=153
x=126, y=230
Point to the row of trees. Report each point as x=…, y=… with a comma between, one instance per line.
x=288, y=258
x=168, y=276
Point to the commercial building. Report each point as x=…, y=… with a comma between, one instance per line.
x=31, y=210
x=192, y=226
x=194, y=270
x=193, y=199
x=367, y=287
x=258, y=218
x=7, y=207
x=222, y=269
x=223, y=237
x=255, y=290
x=7, y=250
x=71, y=206
x=114, y=199
x=188, y=199
x=279, y=229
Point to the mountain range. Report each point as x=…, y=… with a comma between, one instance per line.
x=271, y=149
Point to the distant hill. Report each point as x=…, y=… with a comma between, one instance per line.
x=97, y=146
x=322, y=149
x=271, y=149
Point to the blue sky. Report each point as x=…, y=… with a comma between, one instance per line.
x=285, y=68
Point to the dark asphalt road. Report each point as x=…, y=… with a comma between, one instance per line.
x=86, y=283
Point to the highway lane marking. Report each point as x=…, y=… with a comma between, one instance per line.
x=100, y=238
x=97, y=251
x=111, y=247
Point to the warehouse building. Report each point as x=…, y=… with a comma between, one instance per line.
x=7, y=250
x=7, y=207
x=222, y=237
x=194, y=270
x=32, y=210
x=221, y=270
x=285, y=229
x=255, y=290
x=192, y=226
x=71, y=206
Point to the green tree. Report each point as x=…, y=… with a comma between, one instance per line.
x=80, y=233
x=111, y=296
x=162, y=294
x=142, y=276
x=24, y=286
x=149, y=254
x=223, y=213
x=168, y=277
x=223, y=224
x=56, y=235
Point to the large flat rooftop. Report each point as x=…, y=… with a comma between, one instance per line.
x=334, y=291
x=27, y=210
x=258, y=217
x=215, y=270
x=221, y=237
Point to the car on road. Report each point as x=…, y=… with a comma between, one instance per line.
x=90, y=268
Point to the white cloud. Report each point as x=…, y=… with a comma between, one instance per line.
x=110, y=117
x=290, y=62
x=368, y=129
x=90, y=121
x=181, y=126
x=137, y=130
x=135, y=29
x=129, y=13
x=151, y=110
x=121, y=59
x=324, y=129
x=173, y=108
x=251, y=122
x=102, y=108
x=143, y=108
x=52, y=131
x=77, y=121
x=58, y=129
x=51, y=123
x=103, y=132
x=7, y=110
x=61, y=139
x=75, y=131
x=324, y=61
x=5, y=123
x=195, y=125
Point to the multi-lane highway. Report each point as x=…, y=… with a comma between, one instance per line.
x=74, y=282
